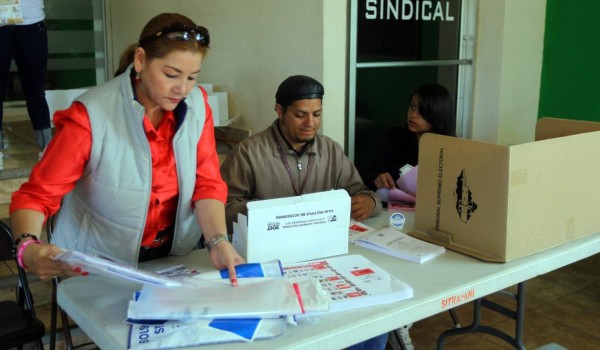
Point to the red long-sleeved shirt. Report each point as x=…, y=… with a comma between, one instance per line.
x=68, y=152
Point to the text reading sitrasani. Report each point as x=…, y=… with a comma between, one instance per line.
x=424, y=10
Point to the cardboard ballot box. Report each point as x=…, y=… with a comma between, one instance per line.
x=293, y=229
x=500, y=203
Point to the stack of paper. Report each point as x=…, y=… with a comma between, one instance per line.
x=209, y=310
x=352, y=281
x=205, y=308
x=393, y=242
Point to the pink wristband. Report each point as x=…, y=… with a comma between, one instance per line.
x=22, y=249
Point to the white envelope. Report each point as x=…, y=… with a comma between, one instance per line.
x=266, y=297
x=175, y=334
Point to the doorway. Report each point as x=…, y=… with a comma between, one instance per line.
x=395, y=46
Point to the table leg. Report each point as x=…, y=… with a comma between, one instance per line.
x=475, y=327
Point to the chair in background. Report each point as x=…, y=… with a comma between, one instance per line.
x=18, y=322
x=55, y=308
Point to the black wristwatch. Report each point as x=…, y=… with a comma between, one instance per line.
x=25, y=235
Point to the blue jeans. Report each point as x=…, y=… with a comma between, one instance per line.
x=28, y=46
x=376, y=343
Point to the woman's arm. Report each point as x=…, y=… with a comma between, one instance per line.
x=211, y=218
x=40, y=197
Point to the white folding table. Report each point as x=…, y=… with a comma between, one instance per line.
x=99, y=304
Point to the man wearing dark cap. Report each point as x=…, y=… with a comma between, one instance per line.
x=289, y=158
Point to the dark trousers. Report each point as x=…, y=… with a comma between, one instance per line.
x=28, y=46
x=161, y=248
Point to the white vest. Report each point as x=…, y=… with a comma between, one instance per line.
x=106, y=211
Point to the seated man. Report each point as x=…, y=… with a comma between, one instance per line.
x=289, y=159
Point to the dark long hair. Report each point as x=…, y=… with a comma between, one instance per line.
x=437, y=107
x=162, y=46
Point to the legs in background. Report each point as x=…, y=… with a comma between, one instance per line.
x=400, y=339
x=28, y=46
x=42, y=138
x=375, y=343
x=30, y=52
x=405, y=337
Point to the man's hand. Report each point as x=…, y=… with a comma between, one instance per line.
x=385, y=180
x=361, y=206
x=223, y=255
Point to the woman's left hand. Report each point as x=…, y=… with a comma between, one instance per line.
x=223, y=255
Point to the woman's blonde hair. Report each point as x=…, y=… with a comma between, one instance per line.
x=161, y=46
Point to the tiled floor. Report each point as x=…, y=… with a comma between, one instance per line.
x=563, y=307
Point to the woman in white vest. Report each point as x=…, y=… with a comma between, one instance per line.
x=133, y=166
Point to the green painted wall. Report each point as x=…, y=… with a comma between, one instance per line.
x=570, y=86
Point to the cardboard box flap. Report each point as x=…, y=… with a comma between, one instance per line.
x=553, y=192
x=548, y=128
x=499, y=202
x=457, y=177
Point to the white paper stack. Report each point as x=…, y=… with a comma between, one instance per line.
x=352, y=281
x=61, y=99
x=253, y=297
x=209, y=310
x=218, y=104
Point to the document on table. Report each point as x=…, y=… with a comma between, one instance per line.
x=352, y=281
x=396, y=243
x=103, y=266
x=263, y=297
x=253, y=297
x=177, y=334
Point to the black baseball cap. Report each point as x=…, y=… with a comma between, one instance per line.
x=298, y=87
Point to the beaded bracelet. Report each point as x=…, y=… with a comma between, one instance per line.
x=22, y=250
x=215, y=240
x=24, y=235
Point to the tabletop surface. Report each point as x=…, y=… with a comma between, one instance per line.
x=99, y=304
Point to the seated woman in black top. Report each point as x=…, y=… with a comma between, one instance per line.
x=431, y=109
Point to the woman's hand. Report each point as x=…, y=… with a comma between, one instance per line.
x=223, y=255
x=38, y=259
x=385, y=180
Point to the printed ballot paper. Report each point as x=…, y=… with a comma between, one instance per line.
x=352, y=281
x=296, y=228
